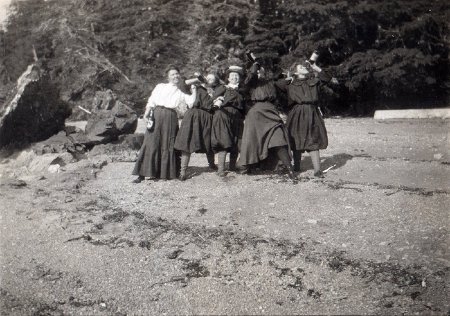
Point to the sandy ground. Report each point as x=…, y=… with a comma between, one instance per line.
x=372, y=237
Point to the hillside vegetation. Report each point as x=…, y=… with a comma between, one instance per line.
x=386, y=54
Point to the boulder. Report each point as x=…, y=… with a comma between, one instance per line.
x=71, y=129
x=131, y=141
x=59, y=143
x=105, y=125
x=35, y=112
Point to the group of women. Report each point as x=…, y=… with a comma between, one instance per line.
x=240, y=118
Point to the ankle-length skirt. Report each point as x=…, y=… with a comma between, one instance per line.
x=306, y=128
x=263, y=129
x=157, y=157
x=226, y=130
x=194, y=135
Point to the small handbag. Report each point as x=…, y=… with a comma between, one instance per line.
x=151, y=122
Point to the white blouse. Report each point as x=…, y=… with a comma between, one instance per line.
x=170, y=96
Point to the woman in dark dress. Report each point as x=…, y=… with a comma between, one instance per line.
x=157, y=157
x=195, y=130
x=305, y=124
x=228, y=119
x=264, y=131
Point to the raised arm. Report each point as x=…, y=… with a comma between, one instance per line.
x=252, y=77
x=189, y=99
x=282, y=84
x=203, y=100
x=323, y=76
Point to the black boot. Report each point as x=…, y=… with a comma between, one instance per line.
x=319, y=174
x=211, y=164
x=138, y=179
x=283, y=155
x=233, y=159
x=315, y=158
x=297, y=159
x=245, y=170
x=293, y=176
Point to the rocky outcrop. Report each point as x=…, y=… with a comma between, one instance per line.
x=111, y=119
x=60, y=143
x=35, y=113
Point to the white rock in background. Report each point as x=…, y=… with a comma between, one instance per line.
x=54, y=168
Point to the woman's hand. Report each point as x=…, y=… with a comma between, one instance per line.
x=218, y=102
x=193, y=88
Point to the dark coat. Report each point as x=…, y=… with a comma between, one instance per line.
x=228, y=120
x=263, y=127
x=195, y=129
x=305, y=123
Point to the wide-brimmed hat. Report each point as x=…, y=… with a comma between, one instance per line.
x=236, y=69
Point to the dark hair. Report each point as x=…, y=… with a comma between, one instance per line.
x=171, y=67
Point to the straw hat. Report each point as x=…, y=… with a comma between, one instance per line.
x=236, y=69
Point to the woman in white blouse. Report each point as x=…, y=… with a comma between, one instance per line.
x=157, y=157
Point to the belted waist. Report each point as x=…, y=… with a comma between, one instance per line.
x=269, y=99
x=165, y=108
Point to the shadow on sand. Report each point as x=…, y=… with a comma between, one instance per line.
x=339, y=160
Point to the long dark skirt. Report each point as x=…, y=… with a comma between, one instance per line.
x=263, y=130
x=157, y=157
x=306, y=128
x=226, y=130
x=195, y=132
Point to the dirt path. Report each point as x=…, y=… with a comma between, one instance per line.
x=370, y=238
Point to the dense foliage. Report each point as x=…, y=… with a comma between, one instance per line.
x=385, y=53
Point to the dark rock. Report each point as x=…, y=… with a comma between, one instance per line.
x=105, y=125
x=82, y=140
x=58, y=143
x=35, y=113
x=72, y=130
x=202, y=210
x=131, y=141
x=174, y=254
x=145, y=244
x=314, y=294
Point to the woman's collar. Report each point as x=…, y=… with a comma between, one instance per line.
x=232, y=86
